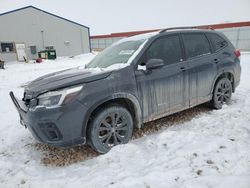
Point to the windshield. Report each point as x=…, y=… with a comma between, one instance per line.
x=118, y=53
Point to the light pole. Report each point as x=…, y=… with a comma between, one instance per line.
x=42, y=33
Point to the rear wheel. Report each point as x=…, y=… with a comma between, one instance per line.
x=109, y=127
x=222, y=93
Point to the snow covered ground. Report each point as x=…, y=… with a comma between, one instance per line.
x=211, y=150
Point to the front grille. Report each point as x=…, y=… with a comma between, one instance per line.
x=27, y=97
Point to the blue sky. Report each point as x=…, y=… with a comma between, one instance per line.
x=108, y=16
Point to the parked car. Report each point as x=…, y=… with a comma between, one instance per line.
x=136, y=80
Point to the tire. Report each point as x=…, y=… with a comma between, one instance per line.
x=222, y=93
x=109, y=127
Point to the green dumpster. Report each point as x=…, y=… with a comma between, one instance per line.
x=51, y=54
x=47, y=54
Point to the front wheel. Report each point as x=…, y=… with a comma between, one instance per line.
x=109, y=127
x=222, y=93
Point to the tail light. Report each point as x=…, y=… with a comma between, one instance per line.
x=237, y=53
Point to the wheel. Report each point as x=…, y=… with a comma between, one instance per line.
x=109, y=127
x=222, y=93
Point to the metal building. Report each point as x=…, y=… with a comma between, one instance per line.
x=238, y=33
x=25, y=31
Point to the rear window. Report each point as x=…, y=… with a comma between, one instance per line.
x=217, y=41
x=196, y=45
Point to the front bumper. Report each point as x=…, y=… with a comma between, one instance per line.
x=60, y=127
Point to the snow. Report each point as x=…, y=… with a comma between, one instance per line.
x=144, y=36
x=130, y=60
x=141, y=67
x=211, y=150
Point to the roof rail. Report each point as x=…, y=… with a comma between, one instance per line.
x=188, y=27
x=205, y=27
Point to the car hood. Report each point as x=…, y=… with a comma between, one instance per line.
x=64, y=78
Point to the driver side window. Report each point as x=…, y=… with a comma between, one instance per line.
x=168, y=49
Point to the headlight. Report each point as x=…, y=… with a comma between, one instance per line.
x=57, y=98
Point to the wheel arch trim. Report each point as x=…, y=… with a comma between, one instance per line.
x=120, y=95
x=219, y=74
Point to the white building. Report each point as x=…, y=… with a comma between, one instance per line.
x=238, y=33
x=28, y=30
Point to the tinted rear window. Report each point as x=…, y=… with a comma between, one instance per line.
x=217, y=41
x=167, y=49
x=196, y=45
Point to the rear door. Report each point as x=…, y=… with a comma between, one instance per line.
x=163, y=90
x=202, y=66
x=221, y=54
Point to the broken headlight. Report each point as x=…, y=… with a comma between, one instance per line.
x=57, y=98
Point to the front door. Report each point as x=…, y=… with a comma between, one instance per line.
x=163, y=90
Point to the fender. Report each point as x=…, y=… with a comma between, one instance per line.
x=218, y=75
x=132, y=98
x=137, y=107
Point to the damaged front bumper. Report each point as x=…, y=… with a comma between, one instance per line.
x=20, y=106
x=58, y=127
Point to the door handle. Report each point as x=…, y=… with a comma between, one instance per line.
x=183, y=69
x=216, y=61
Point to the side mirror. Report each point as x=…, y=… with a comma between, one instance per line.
x=154, y=64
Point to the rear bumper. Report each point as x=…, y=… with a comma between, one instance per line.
x=60, y=127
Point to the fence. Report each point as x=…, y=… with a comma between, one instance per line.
x=240, y=37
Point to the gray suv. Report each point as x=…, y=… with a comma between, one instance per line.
x=136, y=80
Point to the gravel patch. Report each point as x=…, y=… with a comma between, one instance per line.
x=65, y=156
